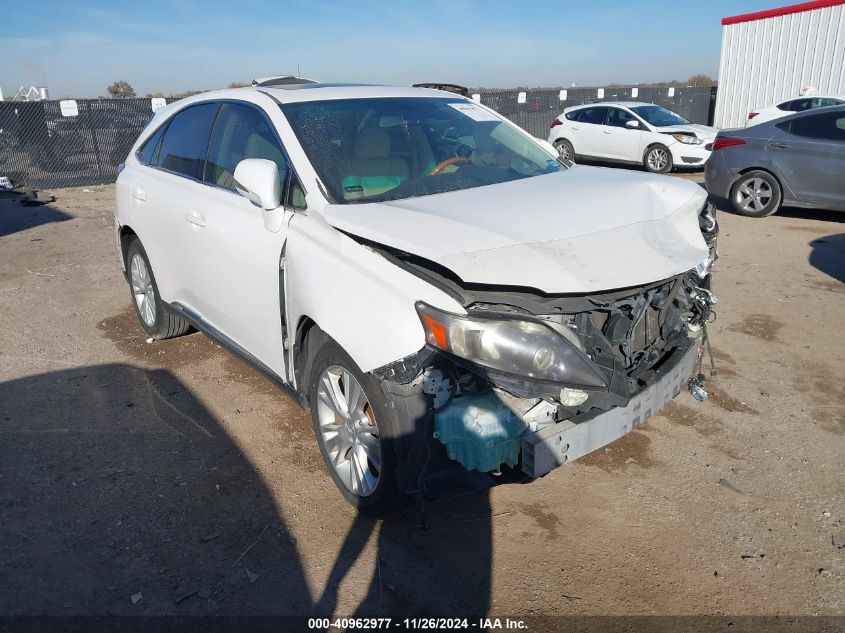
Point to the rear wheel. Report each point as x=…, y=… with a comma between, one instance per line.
x=350, y=418
x=756, y=194
x=154, y=318
x=565, y=149
x=658, y=159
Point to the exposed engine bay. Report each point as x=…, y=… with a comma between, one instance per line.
x=625, y=342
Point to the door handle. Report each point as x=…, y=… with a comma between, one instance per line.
x=778, y=145
x=575, y=127
x=139, y=195
x=607, y=132
x=195, y=217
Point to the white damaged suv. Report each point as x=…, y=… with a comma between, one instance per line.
x=452, y=301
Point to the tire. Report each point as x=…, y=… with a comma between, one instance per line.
x=565, y=149
x=352, y=446
x=157, y=321
x=756, y=194
x=658, y=159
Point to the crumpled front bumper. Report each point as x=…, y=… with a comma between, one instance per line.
x=555, y=445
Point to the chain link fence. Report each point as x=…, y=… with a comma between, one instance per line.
x=51, y=144
x=534, y=110
x=68, y=143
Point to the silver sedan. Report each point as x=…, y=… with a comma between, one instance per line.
x=795, y=161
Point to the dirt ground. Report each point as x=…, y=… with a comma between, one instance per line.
x=170, y=478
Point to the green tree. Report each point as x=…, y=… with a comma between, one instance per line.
x=121, y=90
x=701, y=80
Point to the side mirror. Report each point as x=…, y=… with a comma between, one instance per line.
x=257, y=180
x=632, y=124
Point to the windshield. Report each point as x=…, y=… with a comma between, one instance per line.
x=658, y=116
x=369, y=150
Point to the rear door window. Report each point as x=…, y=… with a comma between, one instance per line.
x=592, y=115
x=827, y=126
x=185, y=141
x=799, y=105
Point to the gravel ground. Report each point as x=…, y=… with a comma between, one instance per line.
x=171, y=478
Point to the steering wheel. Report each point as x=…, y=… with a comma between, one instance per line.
x=455, y=160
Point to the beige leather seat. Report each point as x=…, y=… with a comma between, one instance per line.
x=372, y=169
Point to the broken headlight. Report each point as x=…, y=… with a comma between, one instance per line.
x=510, y=345
x=710, y=230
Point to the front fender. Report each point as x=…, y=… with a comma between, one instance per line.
x=356, y=296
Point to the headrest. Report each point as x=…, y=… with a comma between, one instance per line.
x=372, y=142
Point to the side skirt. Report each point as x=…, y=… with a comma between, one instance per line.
x=224, y=341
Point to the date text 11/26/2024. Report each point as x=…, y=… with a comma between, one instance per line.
x=417, y=624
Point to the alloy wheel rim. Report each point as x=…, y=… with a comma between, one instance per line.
x=754, y=195
x=563, y=150
x=657, y=159
x=348, y=431
x=142, y=290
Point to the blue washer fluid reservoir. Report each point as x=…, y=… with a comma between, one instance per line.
x=480, y=432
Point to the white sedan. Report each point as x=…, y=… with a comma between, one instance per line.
x=791, y=106
x=631, y=132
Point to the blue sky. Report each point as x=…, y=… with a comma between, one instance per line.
x=77, y=48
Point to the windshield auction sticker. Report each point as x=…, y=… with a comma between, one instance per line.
x=473, y=112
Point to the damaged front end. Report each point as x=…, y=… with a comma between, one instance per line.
x=528, y=381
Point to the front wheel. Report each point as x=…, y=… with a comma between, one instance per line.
x=658, y=159
x=756, y=194
x=350, y=417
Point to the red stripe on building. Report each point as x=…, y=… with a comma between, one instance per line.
x=773, y=13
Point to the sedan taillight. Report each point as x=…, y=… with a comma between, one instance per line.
x=751, y=115
x=556, y=122
x=720, y=142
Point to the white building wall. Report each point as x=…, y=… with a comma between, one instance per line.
x=769, y=60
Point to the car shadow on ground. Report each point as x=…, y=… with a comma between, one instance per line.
x=15, y=216
x=120, y=494
x=828, y=255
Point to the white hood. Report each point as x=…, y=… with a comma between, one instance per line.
x=586, y=229
x=703, y=132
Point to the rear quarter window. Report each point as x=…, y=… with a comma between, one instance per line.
x=148, y=154
x=573, y=116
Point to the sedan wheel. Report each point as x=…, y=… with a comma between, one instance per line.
x=143, y=290
x=658, y=160
x=754, y=195
x=757, y=194
x=348, y=431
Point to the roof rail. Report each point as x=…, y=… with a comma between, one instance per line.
x=280, y=81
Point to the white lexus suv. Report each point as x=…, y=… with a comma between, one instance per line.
x=451, y=301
